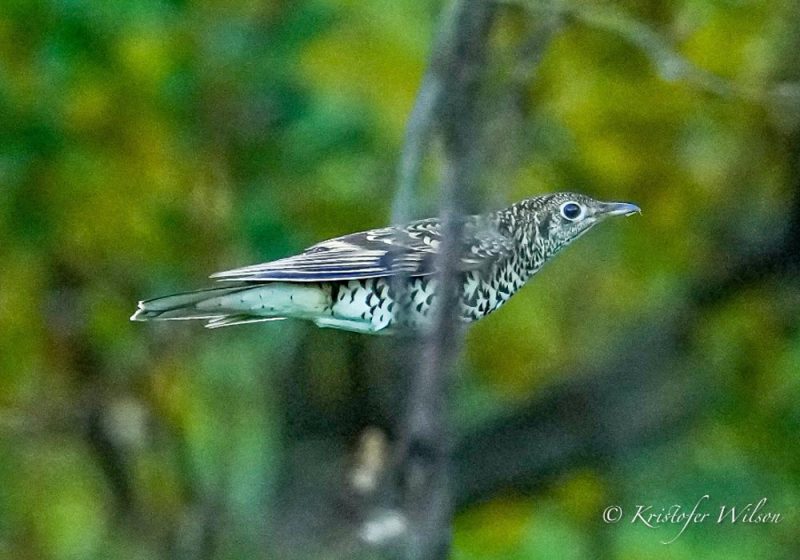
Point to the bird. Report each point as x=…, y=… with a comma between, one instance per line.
x=383, y=281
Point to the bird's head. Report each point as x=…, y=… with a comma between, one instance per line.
x=561, y=218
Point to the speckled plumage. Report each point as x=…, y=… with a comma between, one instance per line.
x=352, y=282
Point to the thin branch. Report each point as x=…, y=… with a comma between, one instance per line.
x=670, y=65
x=422, y=120
x=425, y=115
x=415, y=146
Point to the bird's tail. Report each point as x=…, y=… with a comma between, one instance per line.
x=199, y=304
x=231, y=305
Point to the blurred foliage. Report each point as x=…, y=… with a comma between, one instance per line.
x=145, y=144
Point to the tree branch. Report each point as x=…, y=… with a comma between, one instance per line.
x=455, y=79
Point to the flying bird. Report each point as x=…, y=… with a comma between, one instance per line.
x=384, y=280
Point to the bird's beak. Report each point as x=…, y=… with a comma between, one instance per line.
x=619, y=209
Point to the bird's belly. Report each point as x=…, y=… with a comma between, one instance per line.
x=372, y=304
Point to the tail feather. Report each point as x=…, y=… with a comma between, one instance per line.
x=228, y=320
x=235, y=305
x=182, y=306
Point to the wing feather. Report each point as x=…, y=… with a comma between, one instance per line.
x=409, y=250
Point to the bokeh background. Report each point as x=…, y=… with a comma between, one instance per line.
x=145, y=144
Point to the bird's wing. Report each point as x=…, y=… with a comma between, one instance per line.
x=410, y=250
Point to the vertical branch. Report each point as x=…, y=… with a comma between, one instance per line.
x=422, y=120
x=456, y=67
x=415, y=145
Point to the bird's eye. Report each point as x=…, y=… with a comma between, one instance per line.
x=571, y=210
